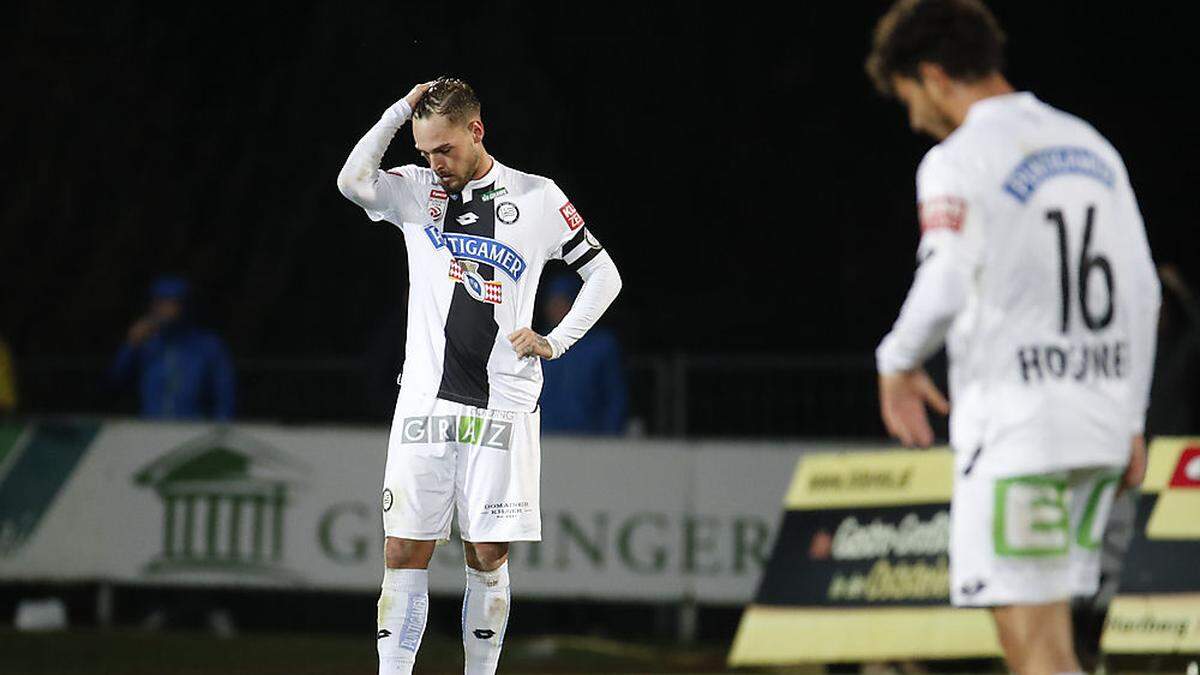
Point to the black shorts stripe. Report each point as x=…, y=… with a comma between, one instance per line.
x=585, y=259
x=470, y=325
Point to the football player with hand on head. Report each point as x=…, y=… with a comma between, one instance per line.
x=465, y=437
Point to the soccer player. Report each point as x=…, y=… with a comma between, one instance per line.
x=1036, y=274
x=465, y=433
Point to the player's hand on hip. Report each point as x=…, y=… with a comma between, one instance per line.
x=1135, y=472
x=528, y=343
x=902, y=401
x=416, y=93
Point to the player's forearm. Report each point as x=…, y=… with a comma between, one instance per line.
x=601, y=284
x=937, y=295
x=357, y=179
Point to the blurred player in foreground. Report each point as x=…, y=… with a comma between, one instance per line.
x=1036, y=273
x=466, y=431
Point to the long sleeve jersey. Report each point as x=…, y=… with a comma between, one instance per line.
x=1036, y=273
x=474, y=261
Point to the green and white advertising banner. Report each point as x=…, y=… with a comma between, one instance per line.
x=299, y=507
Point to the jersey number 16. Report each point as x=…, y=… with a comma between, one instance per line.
x=1088, y=263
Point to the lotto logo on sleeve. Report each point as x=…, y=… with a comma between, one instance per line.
x=942, y=213
x=572, y=216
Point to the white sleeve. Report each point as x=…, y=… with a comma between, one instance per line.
x=949, y=253
x=601, y=284
x=572, y=243
x=379, y=193
x=1146, y=299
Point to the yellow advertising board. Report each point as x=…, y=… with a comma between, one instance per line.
x=859, y=571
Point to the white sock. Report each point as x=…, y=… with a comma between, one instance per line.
x=403, y=608
x=484, y=618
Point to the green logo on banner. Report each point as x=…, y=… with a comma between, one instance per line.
x=224, y=498
x=35, y=463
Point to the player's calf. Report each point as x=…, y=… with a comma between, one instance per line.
x=403, y=604
x=1036, y=639
x=485, y=606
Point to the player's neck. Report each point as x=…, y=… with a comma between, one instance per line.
x=485, y=165
x=970, y=94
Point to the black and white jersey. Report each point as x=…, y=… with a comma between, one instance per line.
x=474, y=262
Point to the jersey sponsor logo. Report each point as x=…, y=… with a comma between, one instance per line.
x=480, y=249
x=493, y=194
x=387, y=499
x=572, y=216
x=467, y=274
x=467, y=218
x=942, y=213
x=415, y=616
x=507, y=212
x=485, y=432
x=1043, y=165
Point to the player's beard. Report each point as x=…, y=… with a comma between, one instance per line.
x=455, y=182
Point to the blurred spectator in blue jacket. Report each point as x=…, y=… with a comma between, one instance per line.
x=584, y=390
x=182, y=371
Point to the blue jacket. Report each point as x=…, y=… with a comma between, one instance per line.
x=185, y=373
x=584, y=390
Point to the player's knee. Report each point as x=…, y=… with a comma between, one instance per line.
x=407, y=553
x=485, y=557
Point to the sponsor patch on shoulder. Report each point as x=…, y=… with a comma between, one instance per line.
x=571, y=215
x=438, y=194
x=942, y=213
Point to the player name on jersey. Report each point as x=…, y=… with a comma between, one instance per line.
x=1079, y=362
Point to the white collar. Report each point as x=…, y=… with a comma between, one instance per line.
x=483, y=181
x=990, y=105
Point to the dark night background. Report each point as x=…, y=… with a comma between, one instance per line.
x=754, y=191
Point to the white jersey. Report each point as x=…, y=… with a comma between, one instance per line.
x=1036, y=272
x=474, y=261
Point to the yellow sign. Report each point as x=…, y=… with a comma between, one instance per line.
x=774, y=635
x=887, y=478
x=1145, y=619
x=1153, y=624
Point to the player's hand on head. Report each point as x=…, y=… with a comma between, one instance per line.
x=417, y=92
x=528, y=343
x=902, y=400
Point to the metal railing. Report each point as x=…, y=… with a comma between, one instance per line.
x=675, y=395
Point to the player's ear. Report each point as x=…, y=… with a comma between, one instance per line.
x=934, y=78
x=476, y=128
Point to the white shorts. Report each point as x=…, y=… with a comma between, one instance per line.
x=444, y=455
x=1028, y=539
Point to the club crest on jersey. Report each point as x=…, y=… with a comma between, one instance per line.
x=479, y=249
x=507, y=213
x=467, y=274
